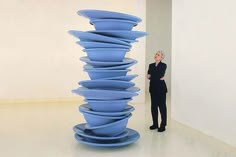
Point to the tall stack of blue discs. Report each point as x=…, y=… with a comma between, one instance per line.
x=109, y=90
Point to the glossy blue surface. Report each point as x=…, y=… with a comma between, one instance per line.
x=111, y=129
x=99, y=74
x=107, y=64
x=103, y=14
x=106, y=84
x=119, y=67
x=122, y=78
x=98, y=120
x=85, y=133
x=132, y=137
x=130, y=35
x=109, y=89
x=99, y=94
x=107, y=105
x=93, y=44
x=130, y=41
x=86, y=36
x=113, y=24
x=106, y=54
x=85, y=108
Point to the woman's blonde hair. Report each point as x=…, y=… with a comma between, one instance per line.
x=162, y=53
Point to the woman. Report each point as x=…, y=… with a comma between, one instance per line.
x=158, y=90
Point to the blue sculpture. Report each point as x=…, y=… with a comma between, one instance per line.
x=107, y=94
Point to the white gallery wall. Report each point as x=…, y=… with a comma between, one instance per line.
x=158, y=26
x=40, y=60
x=203, y=66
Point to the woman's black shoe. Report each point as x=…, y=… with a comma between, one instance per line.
x=161, y=129
x=153, y=127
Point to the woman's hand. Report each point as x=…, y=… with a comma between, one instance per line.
x=162, y=78
x=148, y=76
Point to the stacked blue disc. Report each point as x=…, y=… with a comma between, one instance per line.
x=107, y=93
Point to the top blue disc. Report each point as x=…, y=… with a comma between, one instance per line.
x=102, y=14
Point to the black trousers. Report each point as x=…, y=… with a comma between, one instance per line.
x=158, y=100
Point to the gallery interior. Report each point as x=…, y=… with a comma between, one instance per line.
x=40, y=65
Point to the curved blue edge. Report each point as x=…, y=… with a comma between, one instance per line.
x=106, y=84
x=118, y=67
x=87, y=36
x=123, y=78
x=107, y=64
x=121, y=34
x=126, y=117
x=94, y=44
x=132, y=137
x=130, y=90
x=82, y=131
x=108, y=101
x=100, y=14
x=85, y=108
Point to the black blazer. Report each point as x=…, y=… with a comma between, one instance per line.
x=157, y=72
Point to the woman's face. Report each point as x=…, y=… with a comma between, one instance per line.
x=158, y=57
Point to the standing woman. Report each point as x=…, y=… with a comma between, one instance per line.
x=158, y=90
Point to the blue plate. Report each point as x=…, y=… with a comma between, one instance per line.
x=107, y=105
x=106, y=84
x=98, y=74
x=127, y=110
x=99, y=94
x=111, y=129
x=119, y=67
x=102, y=14
x=130, y=35
x=121, y=78
x=128, y=40
x=106, y=64
x=93, y=44
x=106, y=54
x=113, y=24
x=132, y=137
x=86, y=36
x=85, y=133
x=95, y=120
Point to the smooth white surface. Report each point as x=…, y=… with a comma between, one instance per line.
x=203, y=66
x=45, y=129
x=39, y=59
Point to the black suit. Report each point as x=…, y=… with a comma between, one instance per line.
x=158, y=92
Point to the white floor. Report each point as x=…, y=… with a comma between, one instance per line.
x=45, y=130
